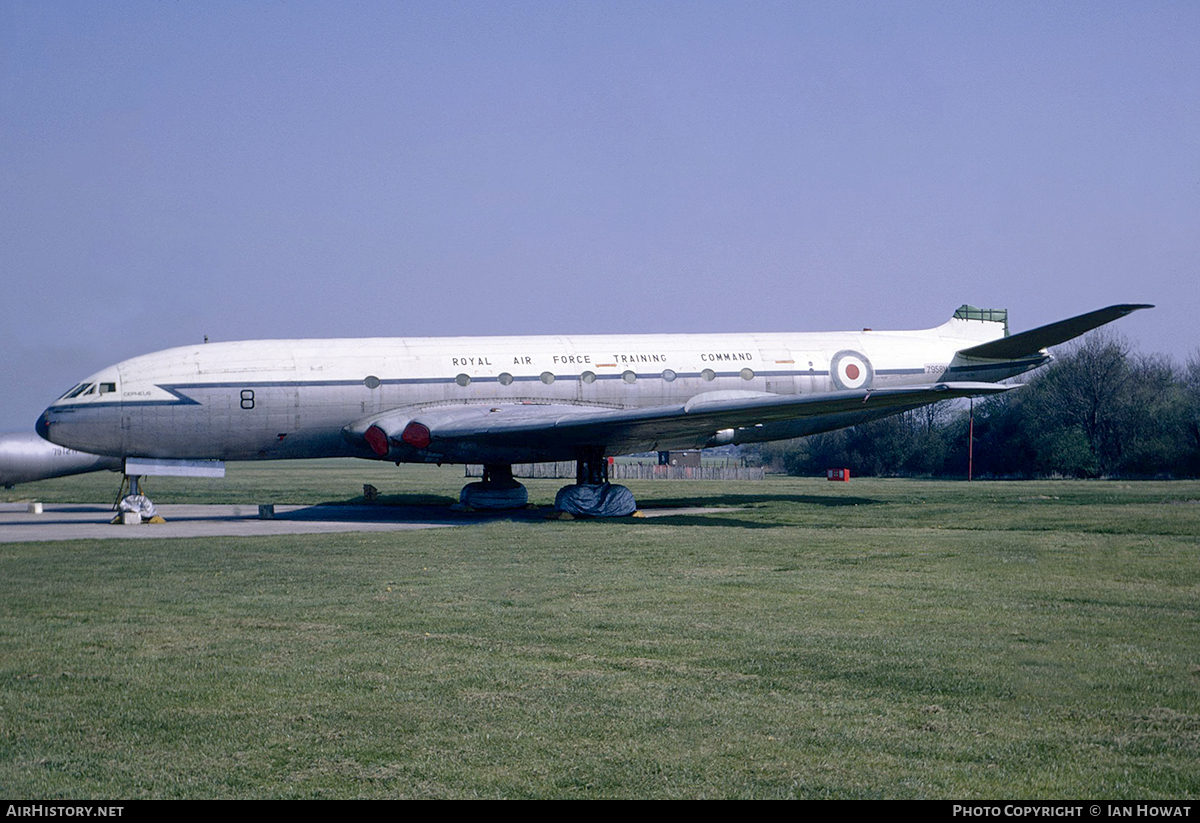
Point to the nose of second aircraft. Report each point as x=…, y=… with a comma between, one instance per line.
x=43, y=424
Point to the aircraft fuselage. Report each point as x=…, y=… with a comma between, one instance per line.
x=275, y=399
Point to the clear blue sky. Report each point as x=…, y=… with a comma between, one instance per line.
x=291, y=169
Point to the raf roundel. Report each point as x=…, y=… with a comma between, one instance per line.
x=851, y=370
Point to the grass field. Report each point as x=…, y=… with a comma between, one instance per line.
x=881, y=638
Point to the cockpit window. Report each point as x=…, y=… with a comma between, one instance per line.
x=80, y=389
x=107, y=388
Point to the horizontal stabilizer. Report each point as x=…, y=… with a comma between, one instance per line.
x=1031, y=342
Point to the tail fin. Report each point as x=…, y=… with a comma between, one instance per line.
x=1031, y=342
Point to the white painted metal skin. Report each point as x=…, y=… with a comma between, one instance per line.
x=25, y=457
x=517, y=399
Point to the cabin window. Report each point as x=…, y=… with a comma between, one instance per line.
x=588, y=377
x=629, y=377
x=371, y=381
x=708, y=374
x=463, y=380
x=505, y=379
x=747, y=374
x=668, y=375
x=547, y=377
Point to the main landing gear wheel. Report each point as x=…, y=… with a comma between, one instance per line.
x=497, y=492
x=592, y=495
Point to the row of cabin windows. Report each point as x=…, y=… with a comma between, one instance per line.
x=506, y=379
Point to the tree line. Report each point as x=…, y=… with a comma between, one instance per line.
x=1098, y=410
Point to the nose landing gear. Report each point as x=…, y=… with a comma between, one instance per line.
x=134, y=507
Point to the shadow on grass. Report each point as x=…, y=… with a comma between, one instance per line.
x=424, y=506
x=753, y=499
x=416, y=499
x=697, y=520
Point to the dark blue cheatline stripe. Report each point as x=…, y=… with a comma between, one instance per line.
x=409, y=381
x=175, y=388
x=96, y=405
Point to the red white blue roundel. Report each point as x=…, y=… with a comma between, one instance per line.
x=851, y=370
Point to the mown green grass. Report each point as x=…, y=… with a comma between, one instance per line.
x=881, y=638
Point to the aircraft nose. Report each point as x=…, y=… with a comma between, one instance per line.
x=43, y=425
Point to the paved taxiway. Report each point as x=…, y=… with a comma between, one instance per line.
x=92, y=521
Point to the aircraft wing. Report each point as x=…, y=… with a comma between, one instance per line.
x=1031, y=342
x=536, y=431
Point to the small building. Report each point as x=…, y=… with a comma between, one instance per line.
x=681, y=459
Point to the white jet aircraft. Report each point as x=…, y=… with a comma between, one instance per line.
x=502, y=400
